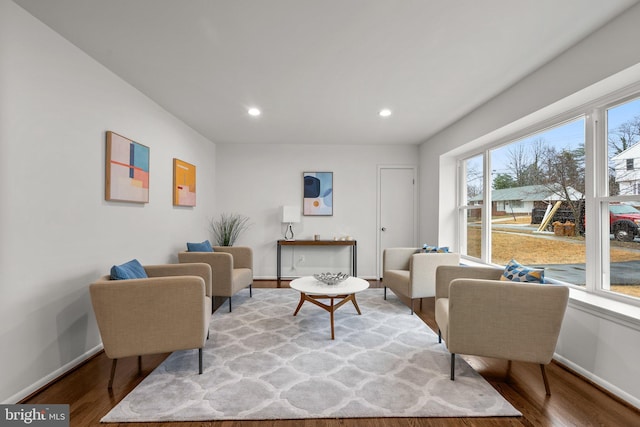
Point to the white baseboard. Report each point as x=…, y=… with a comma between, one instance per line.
x=621, y=394
x=52, y=376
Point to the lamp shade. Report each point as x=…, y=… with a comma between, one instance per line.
x=290, y=214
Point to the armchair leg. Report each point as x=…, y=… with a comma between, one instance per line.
x=139, y=365
x=453, y=365
x=251, y=291
x=200, y=360
x=229, y=304
x=385, y=292
x=113, y=373
x=439, y=336
x=546, y=381
x=412, y=307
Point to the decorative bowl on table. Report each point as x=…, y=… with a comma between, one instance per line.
x=331, y=278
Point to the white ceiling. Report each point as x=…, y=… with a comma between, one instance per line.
x=320, y=70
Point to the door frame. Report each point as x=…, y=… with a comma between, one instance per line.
x=414, y=168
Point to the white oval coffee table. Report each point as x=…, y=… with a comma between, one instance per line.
x=311, y=289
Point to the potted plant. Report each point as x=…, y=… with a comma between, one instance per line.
x=228, y=227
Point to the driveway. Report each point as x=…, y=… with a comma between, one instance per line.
x=622, y=273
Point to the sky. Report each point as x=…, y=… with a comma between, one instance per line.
x=566, y=136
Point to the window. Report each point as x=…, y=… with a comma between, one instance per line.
x=556, y=199
x=542, y=171
x=620, y=200
x=472, y=173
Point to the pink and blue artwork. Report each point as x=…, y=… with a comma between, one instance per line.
x=127, y=170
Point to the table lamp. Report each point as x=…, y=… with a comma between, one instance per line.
x=290, y=214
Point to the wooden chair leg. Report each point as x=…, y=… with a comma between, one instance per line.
x=546, y=381
x=113, y=373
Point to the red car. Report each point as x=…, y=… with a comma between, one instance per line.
x=624, y=221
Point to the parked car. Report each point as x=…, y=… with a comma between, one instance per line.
x=624, y=221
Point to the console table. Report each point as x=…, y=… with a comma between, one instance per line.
x=351, y=243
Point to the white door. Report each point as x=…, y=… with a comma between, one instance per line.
x=397, y=219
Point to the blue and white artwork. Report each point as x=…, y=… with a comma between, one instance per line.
x=318, y=193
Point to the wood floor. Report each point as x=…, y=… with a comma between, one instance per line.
x=574, y=402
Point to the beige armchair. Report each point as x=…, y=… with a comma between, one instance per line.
x=232, y=268
x=480, y=315
x=411, y=273
x=169, y=311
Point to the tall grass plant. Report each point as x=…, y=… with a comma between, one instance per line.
x=228, y=227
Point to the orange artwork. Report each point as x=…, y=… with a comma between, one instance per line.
x=184, y=183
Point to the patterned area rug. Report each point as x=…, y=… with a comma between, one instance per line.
x=261, y=362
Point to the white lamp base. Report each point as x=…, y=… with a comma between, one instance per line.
x=289, y=232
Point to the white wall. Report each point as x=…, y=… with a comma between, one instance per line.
x=57, y=233
x=256, y=180
x=603, y=62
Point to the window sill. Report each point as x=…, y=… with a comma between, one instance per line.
x=597, y=305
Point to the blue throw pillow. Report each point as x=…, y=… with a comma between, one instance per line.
x=516, y=272
x=435, y=249
x=129, y=270
x=200, y=247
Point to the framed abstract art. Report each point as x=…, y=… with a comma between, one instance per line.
x=318, y=193
x=127, y=170
x=184, y=183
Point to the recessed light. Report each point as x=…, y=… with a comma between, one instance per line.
x=254, y=111
x=385, y=112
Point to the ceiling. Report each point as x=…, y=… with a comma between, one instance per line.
x=321, y=70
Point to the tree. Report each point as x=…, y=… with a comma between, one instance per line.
x=525, y=162
x=474, y=180
x=624, y=136
x=565, y=171
x=518, y=163
x=503, y=180
x=620, y=139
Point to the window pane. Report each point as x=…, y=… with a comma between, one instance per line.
x=474, y=172
x=472, y=246
x=624, y=253
x=537, y=180
x=472, y=211
x=623, y=134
